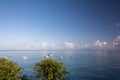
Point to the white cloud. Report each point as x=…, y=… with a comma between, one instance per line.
x=104, y=43
x=99, y=43
x=69, y=45
x=117, y=38
x=116, y=42
x=44, y=44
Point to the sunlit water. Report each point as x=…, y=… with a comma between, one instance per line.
x=82, y=65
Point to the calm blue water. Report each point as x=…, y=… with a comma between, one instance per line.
x=82, y=65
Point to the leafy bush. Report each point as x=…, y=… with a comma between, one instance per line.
x=50, y=69
x=9, y=70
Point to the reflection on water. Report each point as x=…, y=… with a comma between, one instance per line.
x=83, y=65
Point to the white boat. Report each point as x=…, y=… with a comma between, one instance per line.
x=60, y=56
x=24, y=57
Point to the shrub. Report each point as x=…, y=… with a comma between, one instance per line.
x=9, y=70
x=50, y=69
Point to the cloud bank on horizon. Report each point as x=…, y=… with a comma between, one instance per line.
x=97, y=45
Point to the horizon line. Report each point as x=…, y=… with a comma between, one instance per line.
x=56, y=50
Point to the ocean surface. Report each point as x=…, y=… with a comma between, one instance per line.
x=82, y=65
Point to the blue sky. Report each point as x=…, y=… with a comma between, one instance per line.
x=58, y=24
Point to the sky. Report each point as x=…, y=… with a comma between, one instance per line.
x=59, y=24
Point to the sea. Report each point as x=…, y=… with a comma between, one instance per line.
x=81, y=65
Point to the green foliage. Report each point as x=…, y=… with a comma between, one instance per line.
x=50, y=69
x=9, y=70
